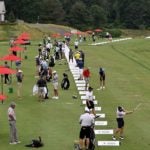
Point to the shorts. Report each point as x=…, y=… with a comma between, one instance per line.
x=81, y=71
x=91, y=106
x=86, y=80
x=102, y=78
x=120, y=122
x=41, y=90
x=55, y=85
x=85, y=132
x=76, y=47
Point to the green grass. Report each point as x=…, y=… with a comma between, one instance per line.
x=127, y=69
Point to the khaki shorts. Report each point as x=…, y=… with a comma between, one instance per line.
x=55, y=85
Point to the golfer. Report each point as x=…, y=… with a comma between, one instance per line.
x=90, y=100
x=102, y=78
x=121, y=112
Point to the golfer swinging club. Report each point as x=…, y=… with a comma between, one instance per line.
x=121, y=112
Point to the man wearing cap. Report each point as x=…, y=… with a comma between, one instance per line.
x=55, y=84
x=86, y=121
x=12, y=124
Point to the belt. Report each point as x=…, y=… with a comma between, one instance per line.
x=86, y=126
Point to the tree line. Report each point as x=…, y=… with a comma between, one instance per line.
x=82, y=14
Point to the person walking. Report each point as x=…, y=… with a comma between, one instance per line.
x=12, y=124
x=86, y=121
x=102, y=78
x=55, y=84
x=121, y=112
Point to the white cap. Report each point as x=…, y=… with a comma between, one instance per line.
x=20, y=70
x=86, y=109
x=54, y=71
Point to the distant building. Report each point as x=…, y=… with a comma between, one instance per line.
x=2, y=11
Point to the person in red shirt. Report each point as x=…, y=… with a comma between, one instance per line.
x=86, y=76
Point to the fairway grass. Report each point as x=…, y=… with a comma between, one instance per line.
x=127, y=67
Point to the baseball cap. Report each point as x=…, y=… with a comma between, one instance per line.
x=54, y=71
x=20, y=70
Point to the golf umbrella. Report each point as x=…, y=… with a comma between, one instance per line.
x=98, y=30
x=19, y=41
x=2, y=97
x=4, y=70
x=10, y=57
x=24, y=36
x=89, y=31
x=67, y=34
x=56, y=35
x=16, y=48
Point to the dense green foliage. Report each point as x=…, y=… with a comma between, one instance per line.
x=82, y=14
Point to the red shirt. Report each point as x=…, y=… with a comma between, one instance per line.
x=86, y=73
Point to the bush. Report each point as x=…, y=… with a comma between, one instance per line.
x=115, y=32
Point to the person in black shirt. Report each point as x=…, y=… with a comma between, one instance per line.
x=102, y=78
x=41, y=83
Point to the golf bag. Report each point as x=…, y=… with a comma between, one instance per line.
x=36, y=143
x=65, y=84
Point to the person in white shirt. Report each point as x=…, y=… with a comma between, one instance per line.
x=90, y=100
x=121, y=112
x=76, y=44
x=12, y=124
x=86, y=121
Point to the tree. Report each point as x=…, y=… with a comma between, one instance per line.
x=99, y=16
x=79, y=16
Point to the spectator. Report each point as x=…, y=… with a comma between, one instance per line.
x=42, y=87
x=76, y=44
x=55, y=84
x=19, y=77
x=12, y=124
x=52, y=62
x=6, y=76
x=70, y=55
x=80, y=64
x=86, y=121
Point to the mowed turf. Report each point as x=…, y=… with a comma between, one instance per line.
x=56, y=121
